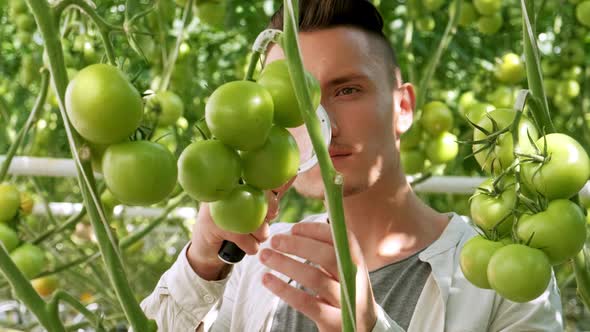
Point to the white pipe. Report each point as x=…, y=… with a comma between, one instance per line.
x=36, y=166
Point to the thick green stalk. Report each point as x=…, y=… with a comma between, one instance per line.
x=174, y=54
x=533, y=67
x=450, y=30
x=25, y=129
x=333, y=181
x=60, y=295
x=46, y=22
x=582, y=277
x=25, y=292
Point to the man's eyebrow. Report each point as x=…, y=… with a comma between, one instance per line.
x=347, y=78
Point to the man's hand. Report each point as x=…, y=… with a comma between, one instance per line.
x=313, y=241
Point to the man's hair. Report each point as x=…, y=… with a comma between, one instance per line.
x=324, y=14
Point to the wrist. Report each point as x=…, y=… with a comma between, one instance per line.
x=207, y=268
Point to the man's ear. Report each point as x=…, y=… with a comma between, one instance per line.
x=404, y=111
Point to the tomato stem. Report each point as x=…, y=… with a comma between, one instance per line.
x=53, y=307
x=25, y=129
x=445, y=40
x=171, y=62
x=252, y=66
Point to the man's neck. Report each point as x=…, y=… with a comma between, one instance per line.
x=391, y=222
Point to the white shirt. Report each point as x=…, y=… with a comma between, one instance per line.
x=448, y=302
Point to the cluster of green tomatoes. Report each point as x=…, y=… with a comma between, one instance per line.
x=251, y=149
x=29, y=258
x=524, y=212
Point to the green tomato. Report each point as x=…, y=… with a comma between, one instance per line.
x=243, y=211
x=468, y=14
x=502, y=97
x=475, y=257
x=569, y=89
x=519, y=273
x=411, y=138
x=9, y=202
x=8, y=237
x=433, y=5
x=240, y=114
x=497, y=158
x=412, y=161
x=488, y=7
x=139, y=173
x=466, y=100
x=583, y=13
x=168, y=105
x=490, y=25
x=29, y=259
x=209, y=170
x=442, y=148
x=511, y=69
x=563, y=174
x=478, y=111
x=273, y=164
x=25, y=22
x=425, y=23
x=436, y=118
x=276, y=79
x=493, y=210
x=102, y=105
x=109, y=201
x=559, y=231
x=96, y=154
x=550, y=87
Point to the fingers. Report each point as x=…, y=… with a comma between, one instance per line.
x=315, y=230
x=301, y=301
x=309, y=276
x=317, y=252
x=273, y=206
x=262, y=233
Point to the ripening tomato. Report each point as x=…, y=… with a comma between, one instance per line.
x=45, y=286
x=442, y=148
x=502, y=97
x=564, y=172
x=436, y=118
x=274, y=163
x=243, y=211
x=9, y=202
x=8, y=237
x=209, y=170
x=30, y=259
x=478, y=111
x=26, y=204
x=519, y=273
x=489, y=25
x=583, y=13
x=276, y=79
x=103, y=106
x=499, y=157
x=511, y=69
x=413, y=161
x=168, y=105
x=240, y=114
x=475, y=257
x=487, y=7
x=411, y=138
x=139, y=173
x=559, y=231
x=493, y=210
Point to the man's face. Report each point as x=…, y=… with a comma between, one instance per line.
x=358, y=95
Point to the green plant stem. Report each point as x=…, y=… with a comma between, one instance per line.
x=333, y=181
x=533, y=68
x=73, y=220
x=60, y=295
x=47, y=24
x=252, y=66
x=169, y=68
x=130, y=239
x=445, y=40
x=25, y=292
x=25, y=129
x=104, y=28
x=582, y=277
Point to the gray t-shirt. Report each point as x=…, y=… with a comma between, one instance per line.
x=396, y=288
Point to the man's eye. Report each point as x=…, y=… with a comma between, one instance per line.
x=346, y=91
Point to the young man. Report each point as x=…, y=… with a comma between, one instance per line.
x=407, y=253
